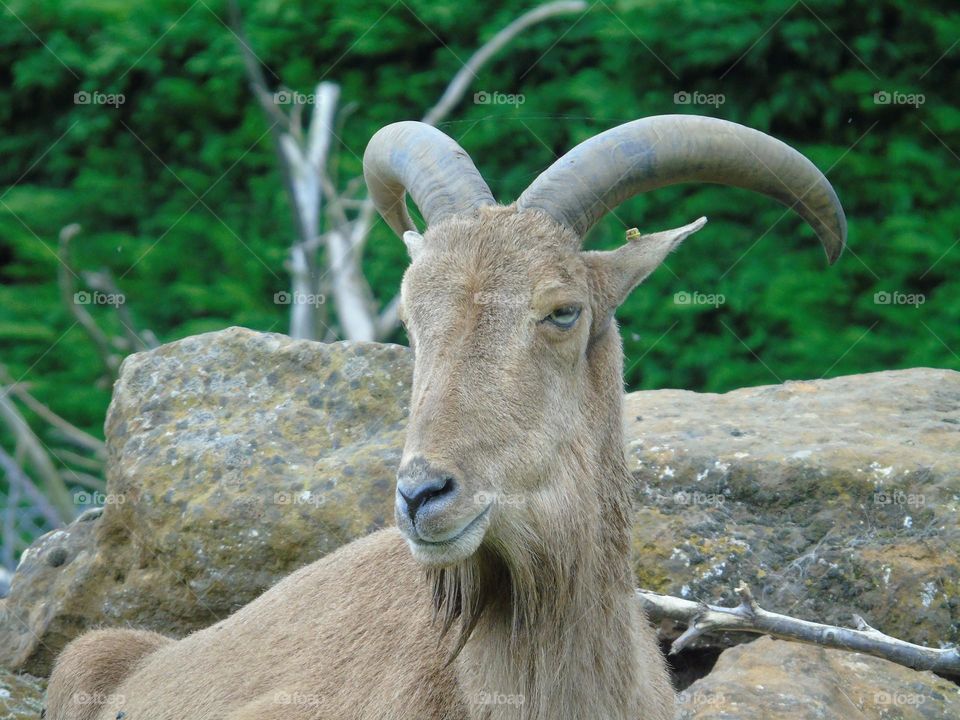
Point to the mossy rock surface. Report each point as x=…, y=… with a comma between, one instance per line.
x=777, y=680
x=233, y=458
x=828, y=497
x=21, y=696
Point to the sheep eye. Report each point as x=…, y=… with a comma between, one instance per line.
x=564, y=317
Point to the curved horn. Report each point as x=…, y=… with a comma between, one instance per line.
x=602, y=172
x=419, y=159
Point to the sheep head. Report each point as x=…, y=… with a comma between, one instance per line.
x=517, y=362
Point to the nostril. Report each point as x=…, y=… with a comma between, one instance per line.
x=446, y=487
x=419, y=496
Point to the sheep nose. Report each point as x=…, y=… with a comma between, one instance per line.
x=419, y=485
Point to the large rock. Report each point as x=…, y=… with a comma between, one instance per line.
x=776, y=680
x=57, y=593
x=235, y=457
x=827, y=497
x=21, y=696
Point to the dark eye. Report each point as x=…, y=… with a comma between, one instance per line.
x=564, y=317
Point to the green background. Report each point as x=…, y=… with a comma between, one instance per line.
x=806, y=72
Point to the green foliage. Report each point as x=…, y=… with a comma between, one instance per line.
x=178, y=193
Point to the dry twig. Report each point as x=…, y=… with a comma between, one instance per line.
x=749, y=617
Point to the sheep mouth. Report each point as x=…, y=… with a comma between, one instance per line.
x=467, y=529
x=453, y=549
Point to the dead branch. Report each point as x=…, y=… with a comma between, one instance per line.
x=255, y=77
x=388, y=319
x=88, y=464
x=749, y=617
x=69, y=298
x=70, y=432
x=38, y=457
x=461, y=81
x=278, y=122
x=16, y=477
x=305, y=160
x=91, y=482
x=137, y=340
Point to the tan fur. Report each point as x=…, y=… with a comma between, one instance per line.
x=536, y=600
x=89, y=670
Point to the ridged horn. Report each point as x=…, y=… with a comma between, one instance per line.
x=411, y=157
x=600, y=173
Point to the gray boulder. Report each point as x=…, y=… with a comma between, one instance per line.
x=827, y=497
x=233, y=458
x=776, y=680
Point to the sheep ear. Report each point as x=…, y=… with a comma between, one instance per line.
x=615, y=273
x=414, y=242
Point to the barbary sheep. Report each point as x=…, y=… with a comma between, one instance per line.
x=506, y=589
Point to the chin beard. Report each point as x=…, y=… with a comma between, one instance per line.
x=462, y=593
x=516, y=593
